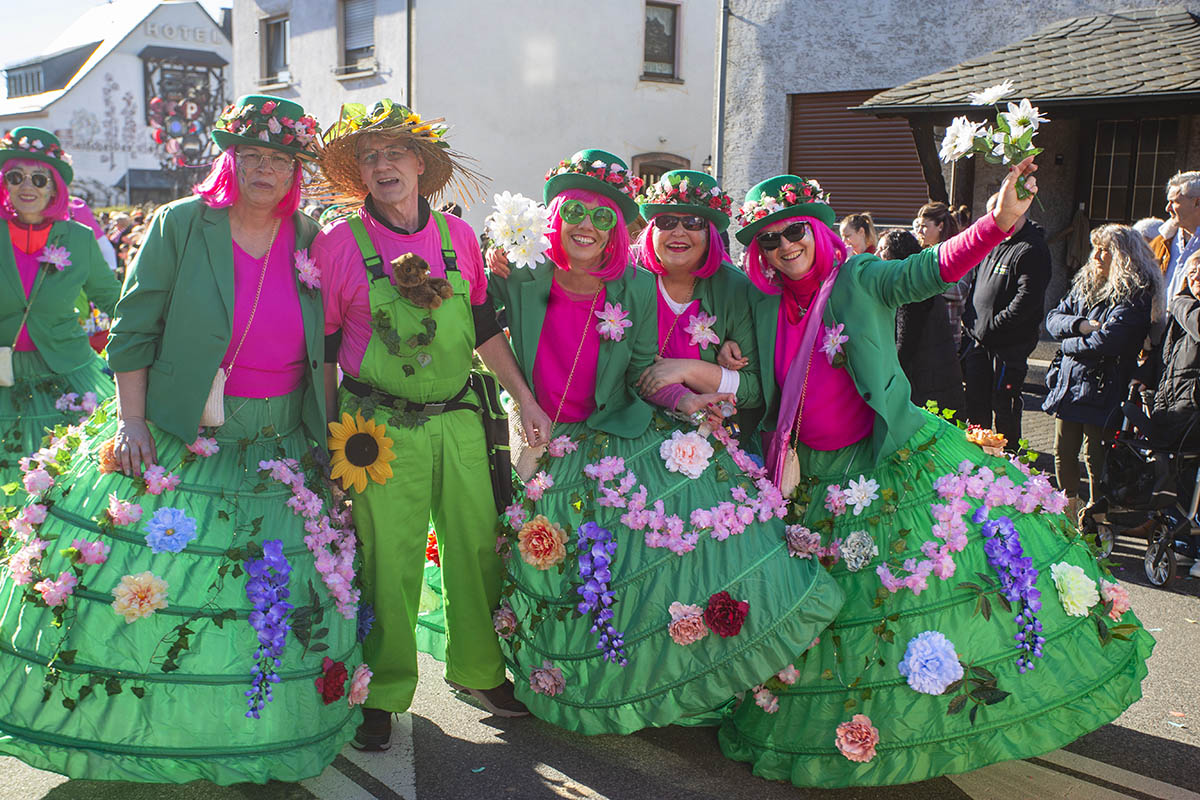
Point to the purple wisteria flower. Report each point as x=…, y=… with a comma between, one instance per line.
x=1018, y=579
x=596, y=550
x=266, y=589
x=366, y=620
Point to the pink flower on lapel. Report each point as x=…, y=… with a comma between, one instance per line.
x=55, y=256
x=613, y=322
x=310, y=273
x=700, y=326
x=834, y=339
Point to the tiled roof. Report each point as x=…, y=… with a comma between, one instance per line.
x=1121, y=56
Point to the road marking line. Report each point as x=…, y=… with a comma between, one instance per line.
x=333, y=785
x=396, y=767
x=1012, y=780
x=1121, y=777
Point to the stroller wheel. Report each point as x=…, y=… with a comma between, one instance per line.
x=1160, y=561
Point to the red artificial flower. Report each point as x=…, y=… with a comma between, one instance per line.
x=725, y=615
x=269, y=106
x=287, y=138
x=332, y=683
x=614, y=178
x=431, y=548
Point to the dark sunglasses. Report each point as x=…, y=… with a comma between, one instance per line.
x=16, y=178
x=667, y=222
x=770, y=240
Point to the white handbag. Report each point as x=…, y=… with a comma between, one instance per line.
x=790, y=478
x=6, y=368
x=524, y=458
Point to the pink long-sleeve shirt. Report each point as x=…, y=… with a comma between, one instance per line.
x=570, y=317
x=344, y=278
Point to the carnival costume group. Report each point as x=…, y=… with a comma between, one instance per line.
x=721, y=507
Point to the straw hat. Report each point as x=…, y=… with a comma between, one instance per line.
x=443, y=166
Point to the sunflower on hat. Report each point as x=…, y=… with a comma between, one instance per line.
x=443, y=166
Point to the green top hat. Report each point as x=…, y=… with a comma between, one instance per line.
x=266, y=121
x=686, y=191
x=596, y=171
x=38, y=144
x=779, y=198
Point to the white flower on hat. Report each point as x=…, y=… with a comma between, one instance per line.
x=37, y=144
x=266, y=137
x=683, y=185
x=23, y=141
x=598, y=164
x=66, y=158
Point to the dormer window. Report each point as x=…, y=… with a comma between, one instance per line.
x=24, y=81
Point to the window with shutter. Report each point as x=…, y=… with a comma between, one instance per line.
x=275, y=58
x=865, y=163
x=1131, y=162
x=358, y=34
x=660, y=41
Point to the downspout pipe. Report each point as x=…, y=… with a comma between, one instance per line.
x=719, y=133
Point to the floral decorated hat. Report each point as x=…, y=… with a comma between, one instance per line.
x=686, y=191
x=597, y=171
x=38, y=144
x=443, y=166
x=266, y=121
x=779, y=198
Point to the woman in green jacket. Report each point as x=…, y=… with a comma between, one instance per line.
x=977, y=626
x=49, y=375
x=702, y=299
x=167, y=616
x=648, y=579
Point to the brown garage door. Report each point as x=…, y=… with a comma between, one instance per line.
x=867, y=164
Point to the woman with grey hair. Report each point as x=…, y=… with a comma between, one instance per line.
x=1101, y=323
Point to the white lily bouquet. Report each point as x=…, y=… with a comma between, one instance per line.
x=520, y=226
x=1010, y=142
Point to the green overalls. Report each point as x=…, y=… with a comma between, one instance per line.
x=440, y=472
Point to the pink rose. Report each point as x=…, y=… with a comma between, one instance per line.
x=268, y=106
x=686, y=453
x=687, y=623
x=359, y=685
x=1118, y=595
x=857, y=738
x=547, y=679
x=504, y=621
x=37, y=481
x=91, y=552
x=801, y=542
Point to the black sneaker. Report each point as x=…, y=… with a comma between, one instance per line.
x=375, y=732
x=500, y=700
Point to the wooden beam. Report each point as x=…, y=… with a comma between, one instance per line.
x=922, y=133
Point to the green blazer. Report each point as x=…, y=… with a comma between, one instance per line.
x=53, y=322
x=726, y=295
x=525, y=293
x=175, y=316
x=864, y=299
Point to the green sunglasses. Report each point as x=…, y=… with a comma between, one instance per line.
x=574, y=212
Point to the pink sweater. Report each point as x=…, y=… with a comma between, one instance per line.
x=27, y=268
x=568, y=318
x=271, y=362
x=344, y=278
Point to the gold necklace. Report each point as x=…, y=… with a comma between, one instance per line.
x=575, y=362
x=674, y=322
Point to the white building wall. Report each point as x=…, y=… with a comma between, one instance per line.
x=101, y=121
x=782, y=47
x=523, y=83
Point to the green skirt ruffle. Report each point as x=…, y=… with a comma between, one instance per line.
x=790, y=600
x=27, y=407
x=1078, y=686
x=124, y=701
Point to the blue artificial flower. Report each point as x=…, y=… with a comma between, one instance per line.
x=930, y=663
x=266, y=589
x=596, y=549
x=366, y=620
x=169, y=531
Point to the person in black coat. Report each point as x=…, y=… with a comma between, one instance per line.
x=924, y=338
x=1002, y=317
x=1102, y=324
x=1177, y=401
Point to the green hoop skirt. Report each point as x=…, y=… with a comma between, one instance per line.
x=790, y=601
x=27, y=408
x=121, y=703
x=1077, y=686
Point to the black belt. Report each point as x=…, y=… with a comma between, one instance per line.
x=357, y=387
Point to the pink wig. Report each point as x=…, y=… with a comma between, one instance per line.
x=219, y=189
x=618, y=238
x=59, y=206
x=829, y=250
x=713, y=256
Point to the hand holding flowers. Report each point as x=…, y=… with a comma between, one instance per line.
x=520, y=227
x=1010, y=142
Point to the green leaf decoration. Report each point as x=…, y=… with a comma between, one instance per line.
x=957, y=705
